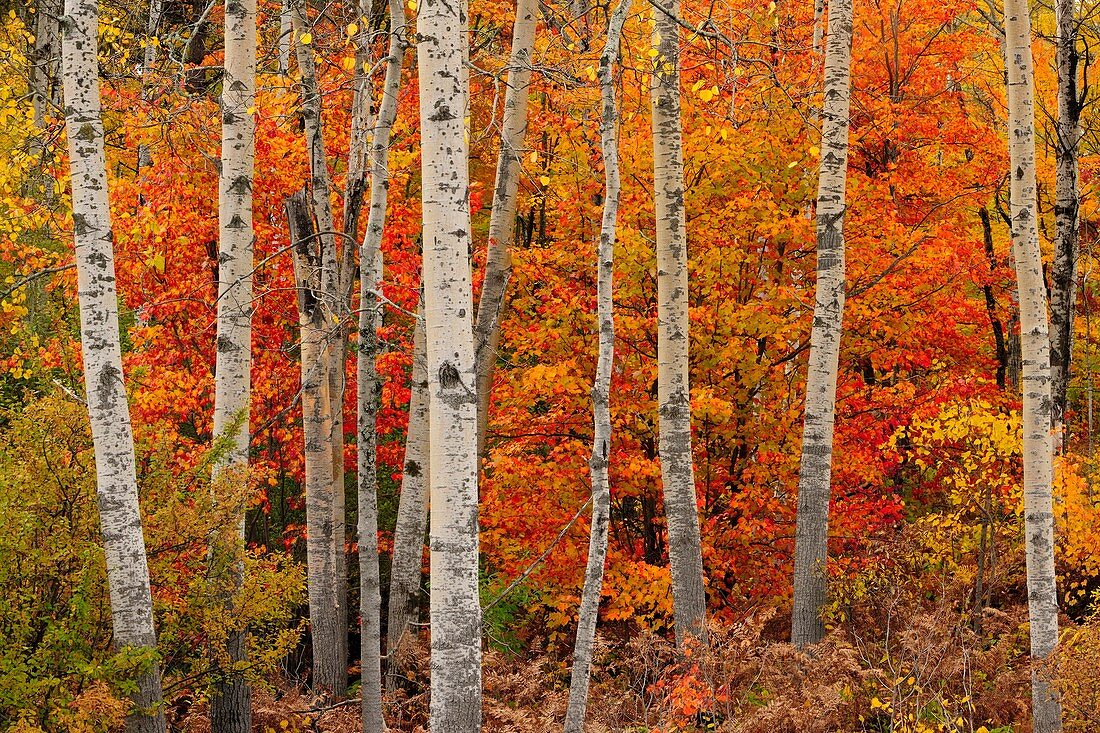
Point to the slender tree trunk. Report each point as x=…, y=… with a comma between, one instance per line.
x=286, y=34
x=338, y=383
x=601, y=387
x=1042, y=592
x=230, y=705
x=452, y=374
x=999, y=345
x=502, y=219
x=45, y=81
x=317, y=432
x=1063, y=286
x=819, y=17
x=412, y=515
x=108, y=411
x=674, y=393
x=815, y=472
x=149, y=58
x=369, y=383
x=330, y=650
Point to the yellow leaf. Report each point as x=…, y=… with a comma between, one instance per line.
x=652, y=53
x=533, y=158
x=348, y=63
x=545, y=180
x=792, y=164
x=352, y=30
x=306, y=39
x=875, y=703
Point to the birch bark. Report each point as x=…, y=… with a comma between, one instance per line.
x=601, y=387
x=230, y=705
x=317, y=431
x=815, y=472
x=502, y=218
x=1063, y=286
x=412, y=515
x=330, y=649
x=674, y=394
x=108, y=411
x=1042, y=592
x=369, y=384
x=452, y=374
x=45, y=84
x=286, y=34
x=149, y=58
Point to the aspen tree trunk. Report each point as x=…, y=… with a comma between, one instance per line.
x=674, y=394
x=286, y=33
x=108, y=411
x=1042, y=592
x=452, y=374
x=330, y=656
x=149, y=58
x=412, y=515
x=819, y=16
x=1063, y=290
x=317, y=432
x=230, y=705
x=369, y=383
x=502, y=219
x=815, y=472
x=601, y=387
x=45, y=84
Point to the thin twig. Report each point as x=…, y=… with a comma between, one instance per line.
x=538, y=561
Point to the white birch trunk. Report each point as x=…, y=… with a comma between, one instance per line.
x=317, y=433
x=286, y=34
x=1063, y=290
x=819, y=16
x=1042, y=592
x=108, y=411
x=149, y=58
x=601, y=387
x=452, y=375
x=412, y=515
x=329, y=651
x=502, y=219
x=369, y=383
x=674, y=393
x=815, y=471
x=45, y=83
x=230, y=706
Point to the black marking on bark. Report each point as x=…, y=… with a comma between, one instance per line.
x=449, y=378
